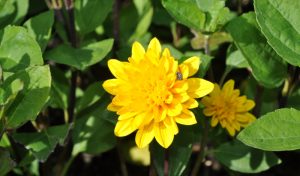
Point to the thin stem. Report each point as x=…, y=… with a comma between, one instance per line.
x=122, y=160
x=166, y=162
x=1, y=75
x=67, y=165
x=201, y=154
x=226, y=72
x=116, y=23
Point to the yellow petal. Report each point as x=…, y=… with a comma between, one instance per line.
x=228, y=88
x=137, y=51
x=230, y=130
x=247, y=106
x=180, y=86
x=144, y=136
x=113, y=107
x=170, y=123
x=155, y=47
x=118, y=69
x=163, y=135
x=184, y=71
x=191, y=103
x=124, y=127
x=166, y=53
x=214, y=122
x=209, y=111
x=186, y=118
x=193, y=65
x=174, y=109
x=112, y=85
x=126, y=115
x=199, y=87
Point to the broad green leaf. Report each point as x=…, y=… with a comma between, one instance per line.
x=6, y=163
x=42, y=144
x=206, y=5
x=60, y=87
x=275, y=131
x=236, y=59
x=12, y=11
x=31, y=99
x=92, y=132
x=93, y=93
x=239, y=157
x=18, y=49
x=91, y=14
x=8, y=93
x=143, y=24
x=268, y=68
x=186, y=12
x=279, y=22
x=83, y=57
x=40, y=27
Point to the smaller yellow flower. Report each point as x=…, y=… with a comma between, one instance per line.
x=228, y=108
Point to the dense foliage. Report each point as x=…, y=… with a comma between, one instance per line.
x=55, y=117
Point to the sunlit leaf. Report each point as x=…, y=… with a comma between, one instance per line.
x=18, y=49
x=275, y=131
x=279, y=22
x=268, y=68
x=40, y=27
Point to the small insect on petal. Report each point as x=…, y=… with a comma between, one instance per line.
x=179, y=76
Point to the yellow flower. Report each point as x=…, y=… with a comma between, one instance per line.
x=153, y=93
x=228, y=108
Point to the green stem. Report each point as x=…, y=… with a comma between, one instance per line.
x=201, y=154
x=226, y=72
x=67, y=165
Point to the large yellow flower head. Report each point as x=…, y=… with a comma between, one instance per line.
x=228, y=108
x=153, y=93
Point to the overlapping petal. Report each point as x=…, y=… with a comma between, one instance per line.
x=152, y=93
x=226, y=107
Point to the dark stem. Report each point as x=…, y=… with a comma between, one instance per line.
x=258, y=100
x=201, y=155
x=69, y=4
x=122, y=160
x=116, y=24
x=166, y=162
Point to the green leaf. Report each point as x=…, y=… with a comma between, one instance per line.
x=236, y=59
x=181, y=10
x=12, y=11
x=6, y=163
x=279, y=22
x=268, y=68
x=91, y=14
x=239, y=157
x=206, y=5
x=275, y=131
x=92, y=132
x=40, y=27
x=60, y=88
x=143, y=25
x=83, y=57
x=18, y=49
x=42, y=144
x=214, y=40
x=93, y=93
x=32, y=98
